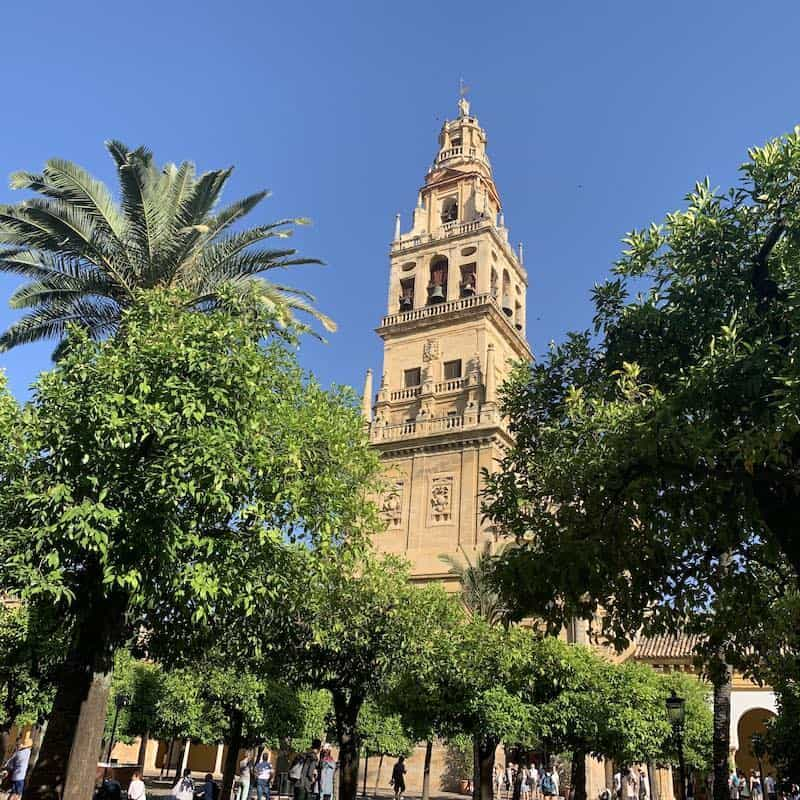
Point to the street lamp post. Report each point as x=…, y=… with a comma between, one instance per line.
x=120, y=701
x=676, y=714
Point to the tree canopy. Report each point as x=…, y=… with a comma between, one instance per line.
x=669, y=438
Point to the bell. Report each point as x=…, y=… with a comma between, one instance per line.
x=406, y=303
x=467, y=289
x=506, y=305
x=436, y=294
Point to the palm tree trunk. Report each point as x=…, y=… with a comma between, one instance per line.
x=426, y=770
x=68, y=759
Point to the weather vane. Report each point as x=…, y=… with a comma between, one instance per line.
x=463, y=103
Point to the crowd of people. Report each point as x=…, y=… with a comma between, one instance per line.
x=525, y=781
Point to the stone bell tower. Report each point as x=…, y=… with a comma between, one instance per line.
x=455, y=320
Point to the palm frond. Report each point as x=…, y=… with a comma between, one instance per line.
x=67, y=181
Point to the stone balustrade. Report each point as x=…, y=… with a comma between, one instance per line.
x=426, y=426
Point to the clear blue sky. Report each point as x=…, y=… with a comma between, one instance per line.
x=600, y=116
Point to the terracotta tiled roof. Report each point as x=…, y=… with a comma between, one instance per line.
x=654, y=648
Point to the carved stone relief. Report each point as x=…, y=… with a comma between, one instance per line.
x=430, y=350
x=441, y=500
x=392, y=507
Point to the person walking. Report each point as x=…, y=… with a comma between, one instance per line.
x=744, y=787
x=210, y=788
x=398, y=779
x=244, y=774
x=770, y=788
x=263, y=774
x=136, y=788
x=17, y=768
x=326, y=770
x=308, y=772
x=497, y=781
x=631, y=785
x=184, y=788
x=547, y=783
x=643, y=787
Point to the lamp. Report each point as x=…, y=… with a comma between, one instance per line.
x=676, y=710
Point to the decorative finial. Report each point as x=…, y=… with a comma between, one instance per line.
x=463, y=103
x=397, y=227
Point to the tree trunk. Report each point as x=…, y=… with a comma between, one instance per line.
x=426, y=770
x=140, y=758
x=476, y=766
x=485, y=767
x=366, y=770
x=5, y=738
x=68, y=758
x=378, y=776
x=722, y=730
x=232, y=756
x=579, y=775
x=346, y=711
x=39, y=731
x=166, y=761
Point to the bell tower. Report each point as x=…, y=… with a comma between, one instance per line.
x=455, y=320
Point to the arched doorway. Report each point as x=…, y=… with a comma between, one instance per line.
x=753, y=720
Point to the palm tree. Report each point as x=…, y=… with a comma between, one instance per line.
x=86, y=256
x=478, y=593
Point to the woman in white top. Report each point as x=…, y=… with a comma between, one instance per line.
x=184, y=788
x=136, y=790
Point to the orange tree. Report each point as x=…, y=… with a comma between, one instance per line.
x=156, y=478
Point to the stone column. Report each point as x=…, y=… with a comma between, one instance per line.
x=218, y=760
x=366, y=400
x=185, y=758
x=489, y=380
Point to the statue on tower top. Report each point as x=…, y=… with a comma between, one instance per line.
x=463, y=103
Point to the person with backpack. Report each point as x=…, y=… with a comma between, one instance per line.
x=548, y=785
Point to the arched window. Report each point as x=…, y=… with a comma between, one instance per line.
x=437, y=288
x=494, y=288
x=406, y=294
x=468, y=282
x=449, y=209
x=506, y=297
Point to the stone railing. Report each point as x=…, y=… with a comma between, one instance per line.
x=462, y=304
x=436, y=310
x=453, y=385
x=434, y=425
x=406, y=394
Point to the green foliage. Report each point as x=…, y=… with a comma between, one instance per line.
x=383, y=733
x=669, y=440
x=86, y=255
x=783, y=731
x=478, y=590
x=33, y=640
x=164, y=465
x=316, y=713
x=459, y=762
x=141, y=683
